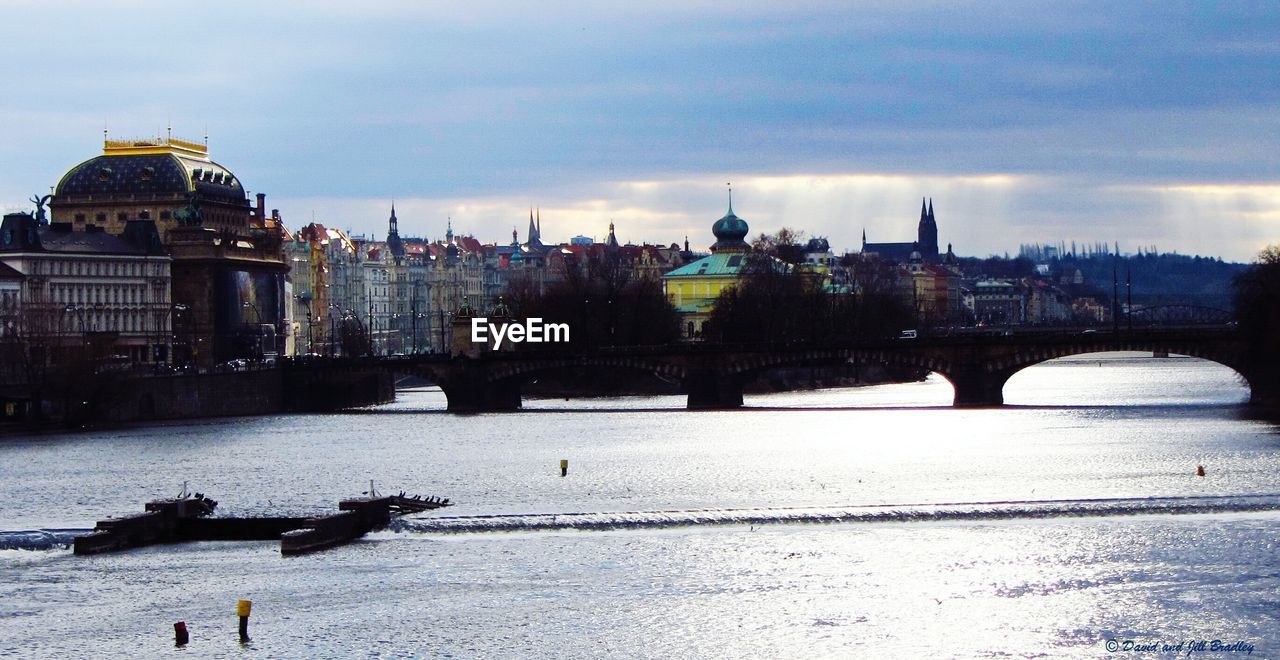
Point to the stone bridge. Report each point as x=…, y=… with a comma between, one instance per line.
x=977, y=365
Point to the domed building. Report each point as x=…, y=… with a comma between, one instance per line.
x=228, y=267
x=694, y=287
x=168, y=180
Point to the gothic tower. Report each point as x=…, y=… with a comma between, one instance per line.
x=394, y=244
x=928, y=232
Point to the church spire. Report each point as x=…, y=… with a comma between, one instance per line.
x=532, y=236
x=394, y=244
x=730, y=184
x=448, y=232
x=927, y=235
x=612, y=241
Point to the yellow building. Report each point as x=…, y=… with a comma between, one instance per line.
x=694, y=287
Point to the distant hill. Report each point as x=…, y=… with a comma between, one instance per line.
x=1160, y=279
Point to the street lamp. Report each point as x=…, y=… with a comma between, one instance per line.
x=370, y=330
x=178, y=311
x=310, y=333
x=306, y=300
x=256, y=331
x=84, y=338
x=333, y=328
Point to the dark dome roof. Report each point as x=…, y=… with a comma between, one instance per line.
x=149, y=174
x=729, y=232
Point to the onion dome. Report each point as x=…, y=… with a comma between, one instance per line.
x=730, y=232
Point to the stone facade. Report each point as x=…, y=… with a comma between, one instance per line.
x=227, y=260
x=89, y=289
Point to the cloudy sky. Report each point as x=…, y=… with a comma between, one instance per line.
x=1148, y=124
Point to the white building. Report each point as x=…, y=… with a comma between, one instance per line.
x=105, y=292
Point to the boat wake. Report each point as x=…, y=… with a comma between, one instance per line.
x=39, y=539
x=55, y=539
x=958, y=511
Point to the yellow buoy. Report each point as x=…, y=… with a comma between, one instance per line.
x=243, y=607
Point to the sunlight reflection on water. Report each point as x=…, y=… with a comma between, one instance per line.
x=1134, y=428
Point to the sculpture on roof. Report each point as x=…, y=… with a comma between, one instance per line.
x=191, y=216
x=40, y=203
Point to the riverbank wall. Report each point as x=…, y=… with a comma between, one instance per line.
x=261, y=392
x=124, y=398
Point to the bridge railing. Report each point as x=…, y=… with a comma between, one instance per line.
x=971, y=337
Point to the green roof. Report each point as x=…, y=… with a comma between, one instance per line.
x=724, y=264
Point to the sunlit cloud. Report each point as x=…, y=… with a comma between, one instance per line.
x=1052, y=123
x=979, y=214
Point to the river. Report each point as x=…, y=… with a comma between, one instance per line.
x=868, y=522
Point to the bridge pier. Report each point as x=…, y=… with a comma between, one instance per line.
x=713, y=391
x=1264, y=388
x=470, y=394
x=976, y=387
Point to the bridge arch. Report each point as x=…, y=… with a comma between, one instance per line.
x=983, y=384
x=752, y=364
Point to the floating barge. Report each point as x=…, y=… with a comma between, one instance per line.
x=186, y=519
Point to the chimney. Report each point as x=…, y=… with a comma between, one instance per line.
x=262, y=206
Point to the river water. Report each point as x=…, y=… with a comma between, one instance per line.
x=864, y=522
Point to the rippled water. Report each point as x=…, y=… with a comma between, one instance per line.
x=874, y=522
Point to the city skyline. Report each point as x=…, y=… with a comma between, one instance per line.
x=1141, y=125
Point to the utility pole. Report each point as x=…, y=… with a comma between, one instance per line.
x=1128, y=285
x=440, y=311
x=1115, y=297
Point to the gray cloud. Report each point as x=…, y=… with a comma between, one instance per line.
x=558, y=101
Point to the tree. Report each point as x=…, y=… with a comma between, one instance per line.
x=1257, y=312
x=353, y=337
x=776, y=302
x=65, y=373
x=602, y=304
x=786, y=245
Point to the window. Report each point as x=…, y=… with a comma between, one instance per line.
x=80, y=218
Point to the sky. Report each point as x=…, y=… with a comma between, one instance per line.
x=1147, y=124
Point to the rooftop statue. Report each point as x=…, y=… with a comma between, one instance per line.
x=40, y=202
